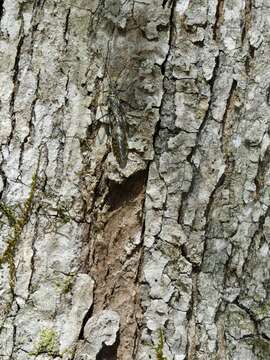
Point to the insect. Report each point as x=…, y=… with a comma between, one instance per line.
x=117, y=120
x=115, y=111
x=118, y=128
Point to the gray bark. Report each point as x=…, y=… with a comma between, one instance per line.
x=134, y=180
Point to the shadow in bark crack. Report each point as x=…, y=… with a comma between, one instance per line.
x=85, y=319
x=109, y=352
x=126, y=191
x=1, y=8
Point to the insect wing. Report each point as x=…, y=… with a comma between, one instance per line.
x=119, y=132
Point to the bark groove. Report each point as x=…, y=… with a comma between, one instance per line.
x=163, y=255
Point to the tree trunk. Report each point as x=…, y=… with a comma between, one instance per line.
x=134, y=181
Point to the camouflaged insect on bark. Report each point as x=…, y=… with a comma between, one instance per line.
x=118, y=129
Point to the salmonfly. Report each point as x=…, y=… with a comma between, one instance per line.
x=118, y=128
x=117, y=117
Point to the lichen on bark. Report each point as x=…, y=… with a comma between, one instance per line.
x=165, y=256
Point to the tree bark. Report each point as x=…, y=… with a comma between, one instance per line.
x=134, y=186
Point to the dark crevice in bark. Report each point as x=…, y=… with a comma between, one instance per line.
x=220, y=311
x=230, y=100
x=87, y=316
x=98, y=189
x=13, y=341
x=252, y=51
x=39, y=4
x=30, y=123
x=109, y=259
x=247, y=19
x=228, y=271
x=207, y=211
x=31, y=47
x=43, y=178
x=165, y=72
x=185, y=195
x=121, y=193
x=138, y=275
x=165, y=2
x=90, y=210
x=214, y=76
x=66, y=92
x=109, y=352
x=225, y=126
x=191, y=318
x=137, y=334
x=247, y=64
x=258, y=232
x=249, y=313
x=219, y=19
x=4, y=179
x=171, y=35
x=37, y=10
x=34, y=28
x=199, y=43
x=265, y=337
x=136, y=340
x=95, y=19
x=65, y=35
x=249, y=59
x=163, y=69
x=268, y=95
x=1, y=9
x=207, y=114
x=35, y=236
x=16, y=83
x=185, y=254
x=229, y=164
x=263, y=167
x=158, y=127
x=59, y=171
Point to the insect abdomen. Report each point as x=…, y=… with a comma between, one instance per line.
x=118, y=132
x=119, y=144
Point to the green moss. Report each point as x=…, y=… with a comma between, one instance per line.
x=63, y=213
x=69, y=352
x=262, y=310
x=17, y=223
x=261, y=347
x=66, y=284
x=9, y=213
x=159, y=347
x=60, y=213
x=47, y=343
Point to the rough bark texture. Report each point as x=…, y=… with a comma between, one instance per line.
x=168, y=256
